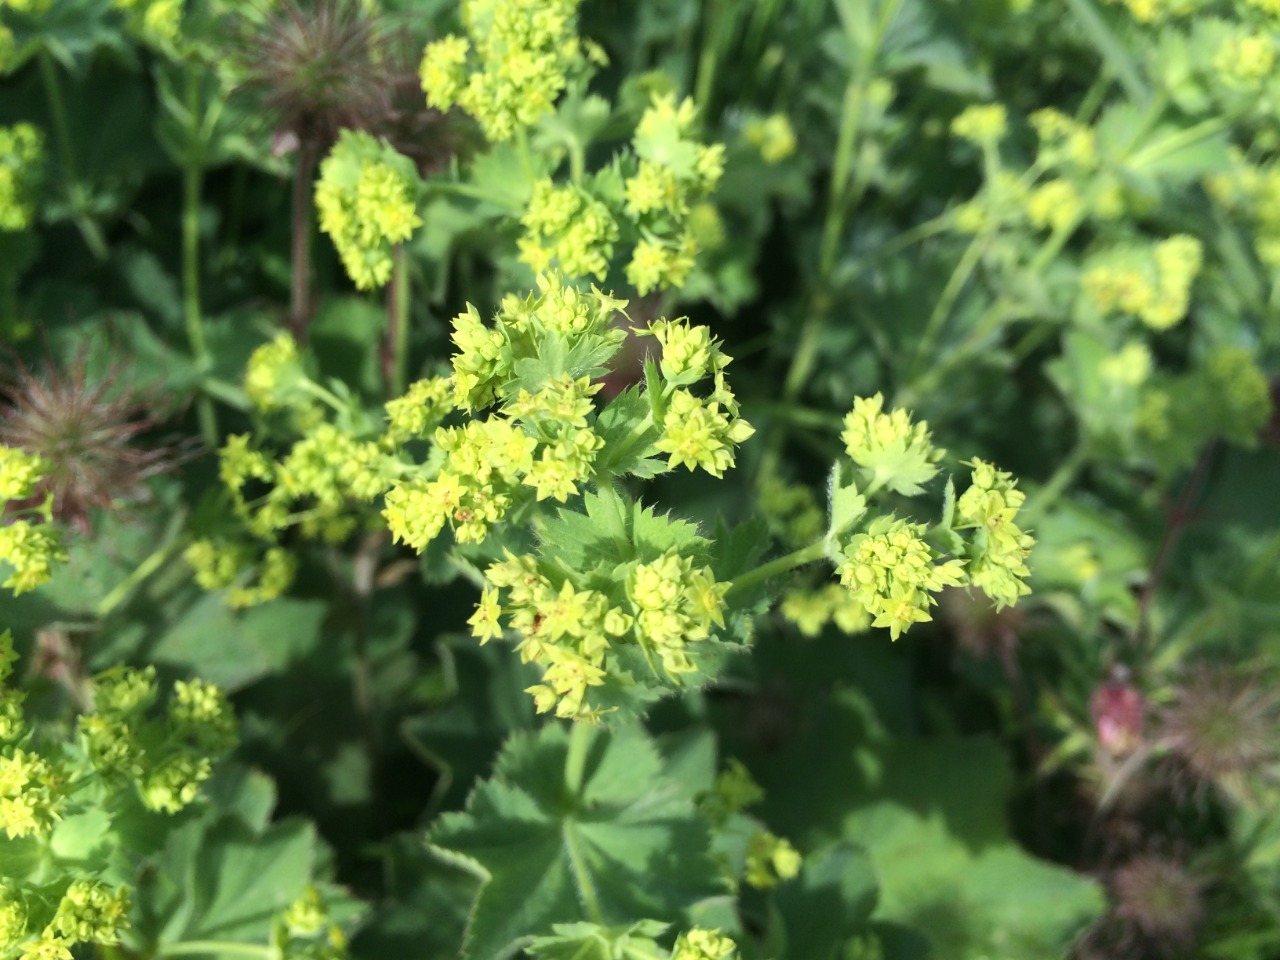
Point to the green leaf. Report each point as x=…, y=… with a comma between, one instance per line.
x=223, y=875
x=946, y=865
x=832, y=898
x=847, y=506
x=590, y=941
x=588, y=829
x=628, y=448
x=243, y=878
x=585, y=541
x=654, y=535
x=505, y=178
x=557, y=355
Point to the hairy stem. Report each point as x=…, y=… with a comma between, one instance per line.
x=797, y=558
x=395, y=345
x=300, y=251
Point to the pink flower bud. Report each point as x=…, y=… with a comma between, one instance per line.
x=1118, y=710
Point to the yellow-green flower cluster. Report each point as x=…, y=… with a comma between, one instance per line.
x=1153, y=11
x=21, y=156
x=673, y=172
x=1242, y=391
x=1153, y=285
x=981, y=123
x=568, y=228
x=1226, y=395
x=30, y=548
x=998, y=549
x=523, y=50
x=153, y=21
x=1064, y=141
x=366, y=198
x=893, y=573
x=19, y=473
x=674, y=602
x=248, y=578
x=305, y=930
x=32, y=788
x=699, y=944
x=1054, y=205
x=697, y=432
x=735, y=790
x=166, y=758
x=812, y=610
x=415, y=415
x=313, y=484
x=770, y=860
x=91, y=912
x=1246, y=58
x=274, y=377
x=700, y=433
x=569, y=629
x=541, y=440
x=318, y=485
x=487, y=357
x=772, y=135
x=486, y=462
x=31, y=793
x=896, y=453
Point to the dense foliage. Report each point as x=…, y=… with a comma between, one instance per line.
x=671, y=480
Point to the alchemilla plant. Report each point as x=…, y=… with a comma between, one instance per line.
x=707, y=480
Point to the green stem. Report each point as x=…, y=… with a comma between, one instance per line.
x=145, y=569
x=575, y=765
x=398, y=324
x=192, y=178
x=192, y=182
x=798, y=558
x=1049, y=493
x=191, y=947
x=300, y=249
x=575, y=762
x=229, y=394
x=471, y=191
x=62, y=133
x=995, y=315
x=946, y=301
x=577, y=161
x=1177, y=141
x=577, y=862
x=839, y=208
x=328, y=398
x=707, y=58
